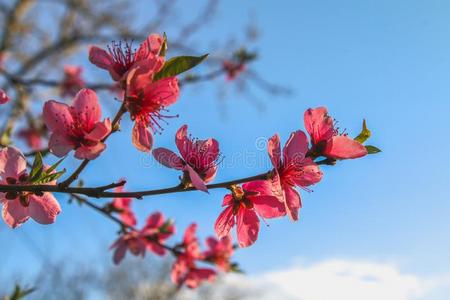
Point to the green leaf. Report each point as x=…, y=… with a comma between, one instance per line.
x=54, y=166
x=37, y=168
x=50, y=177
x=372, y=149
x=364, y=135
x=178, y=65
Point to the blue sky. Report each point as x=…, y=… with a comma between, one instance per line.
x=381, y=60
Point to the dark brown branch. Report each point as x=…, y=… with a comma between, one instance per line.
x=99, y=192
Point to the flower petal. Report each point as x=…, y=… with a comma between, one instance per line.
x=196, y=180
x=86, y=108
x=12, y=162
x=3, y=97
x=57, y=117
x=310, y=174
x=293, y=202
x=224, y=222
x=296, y=148
x=100, y=57
x=343, y=147
x=14, y=214
x=120, y=250
x=318, y=124
x=44, y=209
x=90, y=152
x=274, y=149
x=142, y=137
x=60, y=144
x=247, y=227
x=164, y=91
x=151, y=45
x=100, y=131
x=196, y=276
x=168, y=158
x=182, y=141
x=155, y=220
x=266, y=205
x=210, y=174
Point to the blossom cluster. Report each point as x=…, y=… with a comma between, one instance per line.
x=149, y=84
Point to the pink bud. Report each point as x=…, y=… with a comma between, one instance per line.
x=3, y=97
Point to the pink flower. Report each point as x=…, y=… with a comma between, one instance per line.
x=19, y=207
x=156, y=231
x=325, y=139
x=72, y=81
x=3, y=97
x=219, y=252
x=184, y=270
x=120, y=58
x=123, y=206
x=132, y=241
x=32, y=137
x=199, y=158
x=293, y=170
x=232, y=69
x=152, y=237
x=243, y=206
x=77, y=127
x=145, y=99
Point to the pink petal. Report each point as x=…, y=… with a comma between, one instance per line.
x=121, y=249
x=277, y=189
x=12, y=162
x=182, y=141
x=57, y=117
x=196, y=276
x=44, y=209
x=227, y=200
x=141, y=137
x=14, y=214
x=211, y=150
x=86, y=108
x=212, y=242
x=151, y=45
x=310, y=174
x=266, y=205
x=157, y=249
x=224, y=222
x=168, y=158
x=296, y=148
x=293, y=202
x=318, y=124
x=164, y=91
x=89, y=152
x=179, y=269
x=247, y=227
x=196, y=180
x=100, y=57
x=274, y=150
x=141, y=74
x=3, y=97
x=103, y=60
x=343, y=147
x=210, y=174
x=190, y=234
x=100, y=131
x=60, y=144
x=155, y=220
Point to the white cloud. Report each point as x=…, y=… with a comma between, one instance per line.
x=336, y=279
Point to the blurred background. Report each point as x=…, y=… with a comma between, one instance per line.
x=373, y=228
